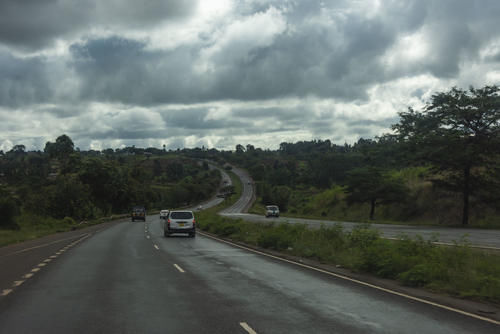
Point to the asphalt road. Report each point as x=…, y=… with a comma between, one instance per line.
x=130, y=279
x=476, y=237
x=247, y=193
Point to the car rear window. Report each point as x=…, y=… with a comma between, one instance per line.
x=181, y=215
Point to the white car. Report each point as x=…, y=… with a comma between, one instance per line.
x=272, y=211
x=163, y=214
x=180, y=222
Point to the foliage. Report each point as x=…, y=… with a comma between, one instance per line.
x=458, y=132
x=8, y=211
x=371, y=185
x=457, y=270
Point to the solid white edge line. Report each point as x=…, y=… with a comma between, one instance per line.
x=179, y=268
x=247, y=328
x=472, y=315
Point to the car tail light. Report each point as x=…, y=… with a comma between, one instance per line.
x=194, y=222
x=168, y=222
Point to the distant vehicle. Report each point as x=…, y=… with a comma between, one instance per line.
x=221, y=195
x=272, y=211
x=163, y=214
x=199, y=207
x=180, y=222
x=138, y=213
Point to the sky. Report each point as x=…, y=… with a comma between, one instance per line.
x=187, y=73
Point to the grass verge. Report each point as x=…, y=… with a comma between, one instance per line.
x=458, y=271
x=33, y=227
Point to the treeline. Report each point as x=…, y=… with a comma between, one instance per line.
x=63, y=182
x=441, y=163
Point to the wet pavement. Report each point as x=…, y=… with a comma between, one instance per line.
x=130, y=279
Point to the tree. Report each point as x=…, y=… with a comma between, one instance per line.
x=458, y=132
x=240, y=149
x=62, y=148
x=370, y=184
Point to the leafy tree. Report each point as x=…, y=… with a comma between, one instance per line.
x=370, y=184
x=18, y=149
x=458, y=132
x=62, y=148
x=240, y=149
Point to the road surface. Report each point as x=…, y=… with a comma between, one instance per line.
x=476, y=237
x=130, y=279
x=127, y=278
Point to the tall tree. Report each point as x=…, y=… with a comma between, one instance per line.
x=458, y=132
x=372, y=185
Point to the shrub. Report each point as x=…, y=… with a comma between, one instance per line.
x=8, y=210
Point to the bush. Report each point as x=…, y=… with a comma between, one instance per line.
x=421, y=275
x=8, y=211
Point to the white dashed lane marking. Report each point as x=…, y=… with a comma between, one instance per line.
x=179, y=268
x=42, y=264
x=5, y=292
x=17, y=283
x=247, y=328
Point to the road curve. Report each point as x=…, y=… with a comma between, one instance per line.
x=130, y=279
x=247, y=193
x=482, y=238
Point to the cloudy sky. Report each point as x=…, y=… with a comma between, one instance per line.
x=188, y=73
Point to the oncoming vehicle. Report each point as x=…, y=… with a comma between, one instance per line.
x=163, y=214
x=180, y=222
x=138, y=213
x=272, y=211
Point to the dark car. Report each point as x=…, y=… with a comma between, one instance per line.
x=138, y=213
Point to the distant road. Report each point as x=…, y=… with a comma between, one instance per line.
x=446, y=235
x=247, y=193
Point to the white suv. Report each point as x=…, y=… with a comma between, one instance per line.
x=180, y=222
x=272, y=211
x=163, y=214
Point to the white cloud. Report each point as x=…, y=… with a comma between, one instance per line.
x=236, y=40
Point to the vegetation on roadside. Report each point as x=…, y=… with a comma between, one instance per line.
x=56, y=190
x=440, y=166
x=458, y=271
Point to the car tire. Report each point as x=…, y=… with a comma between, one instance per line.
x=192, y=235
x=133, y=220
x=166, y=234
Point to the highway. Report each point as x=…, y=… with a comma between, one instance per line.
x=128, y=278
x=483, y=238
x=125, y=277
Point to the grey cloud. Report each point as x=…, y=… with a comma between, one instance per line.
x=196, y=119
x=328, y=50
x=34, y=24
x=23, y=80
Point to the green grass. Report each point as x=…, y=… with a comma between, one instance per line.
x=33, y=227
x=458, y=271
